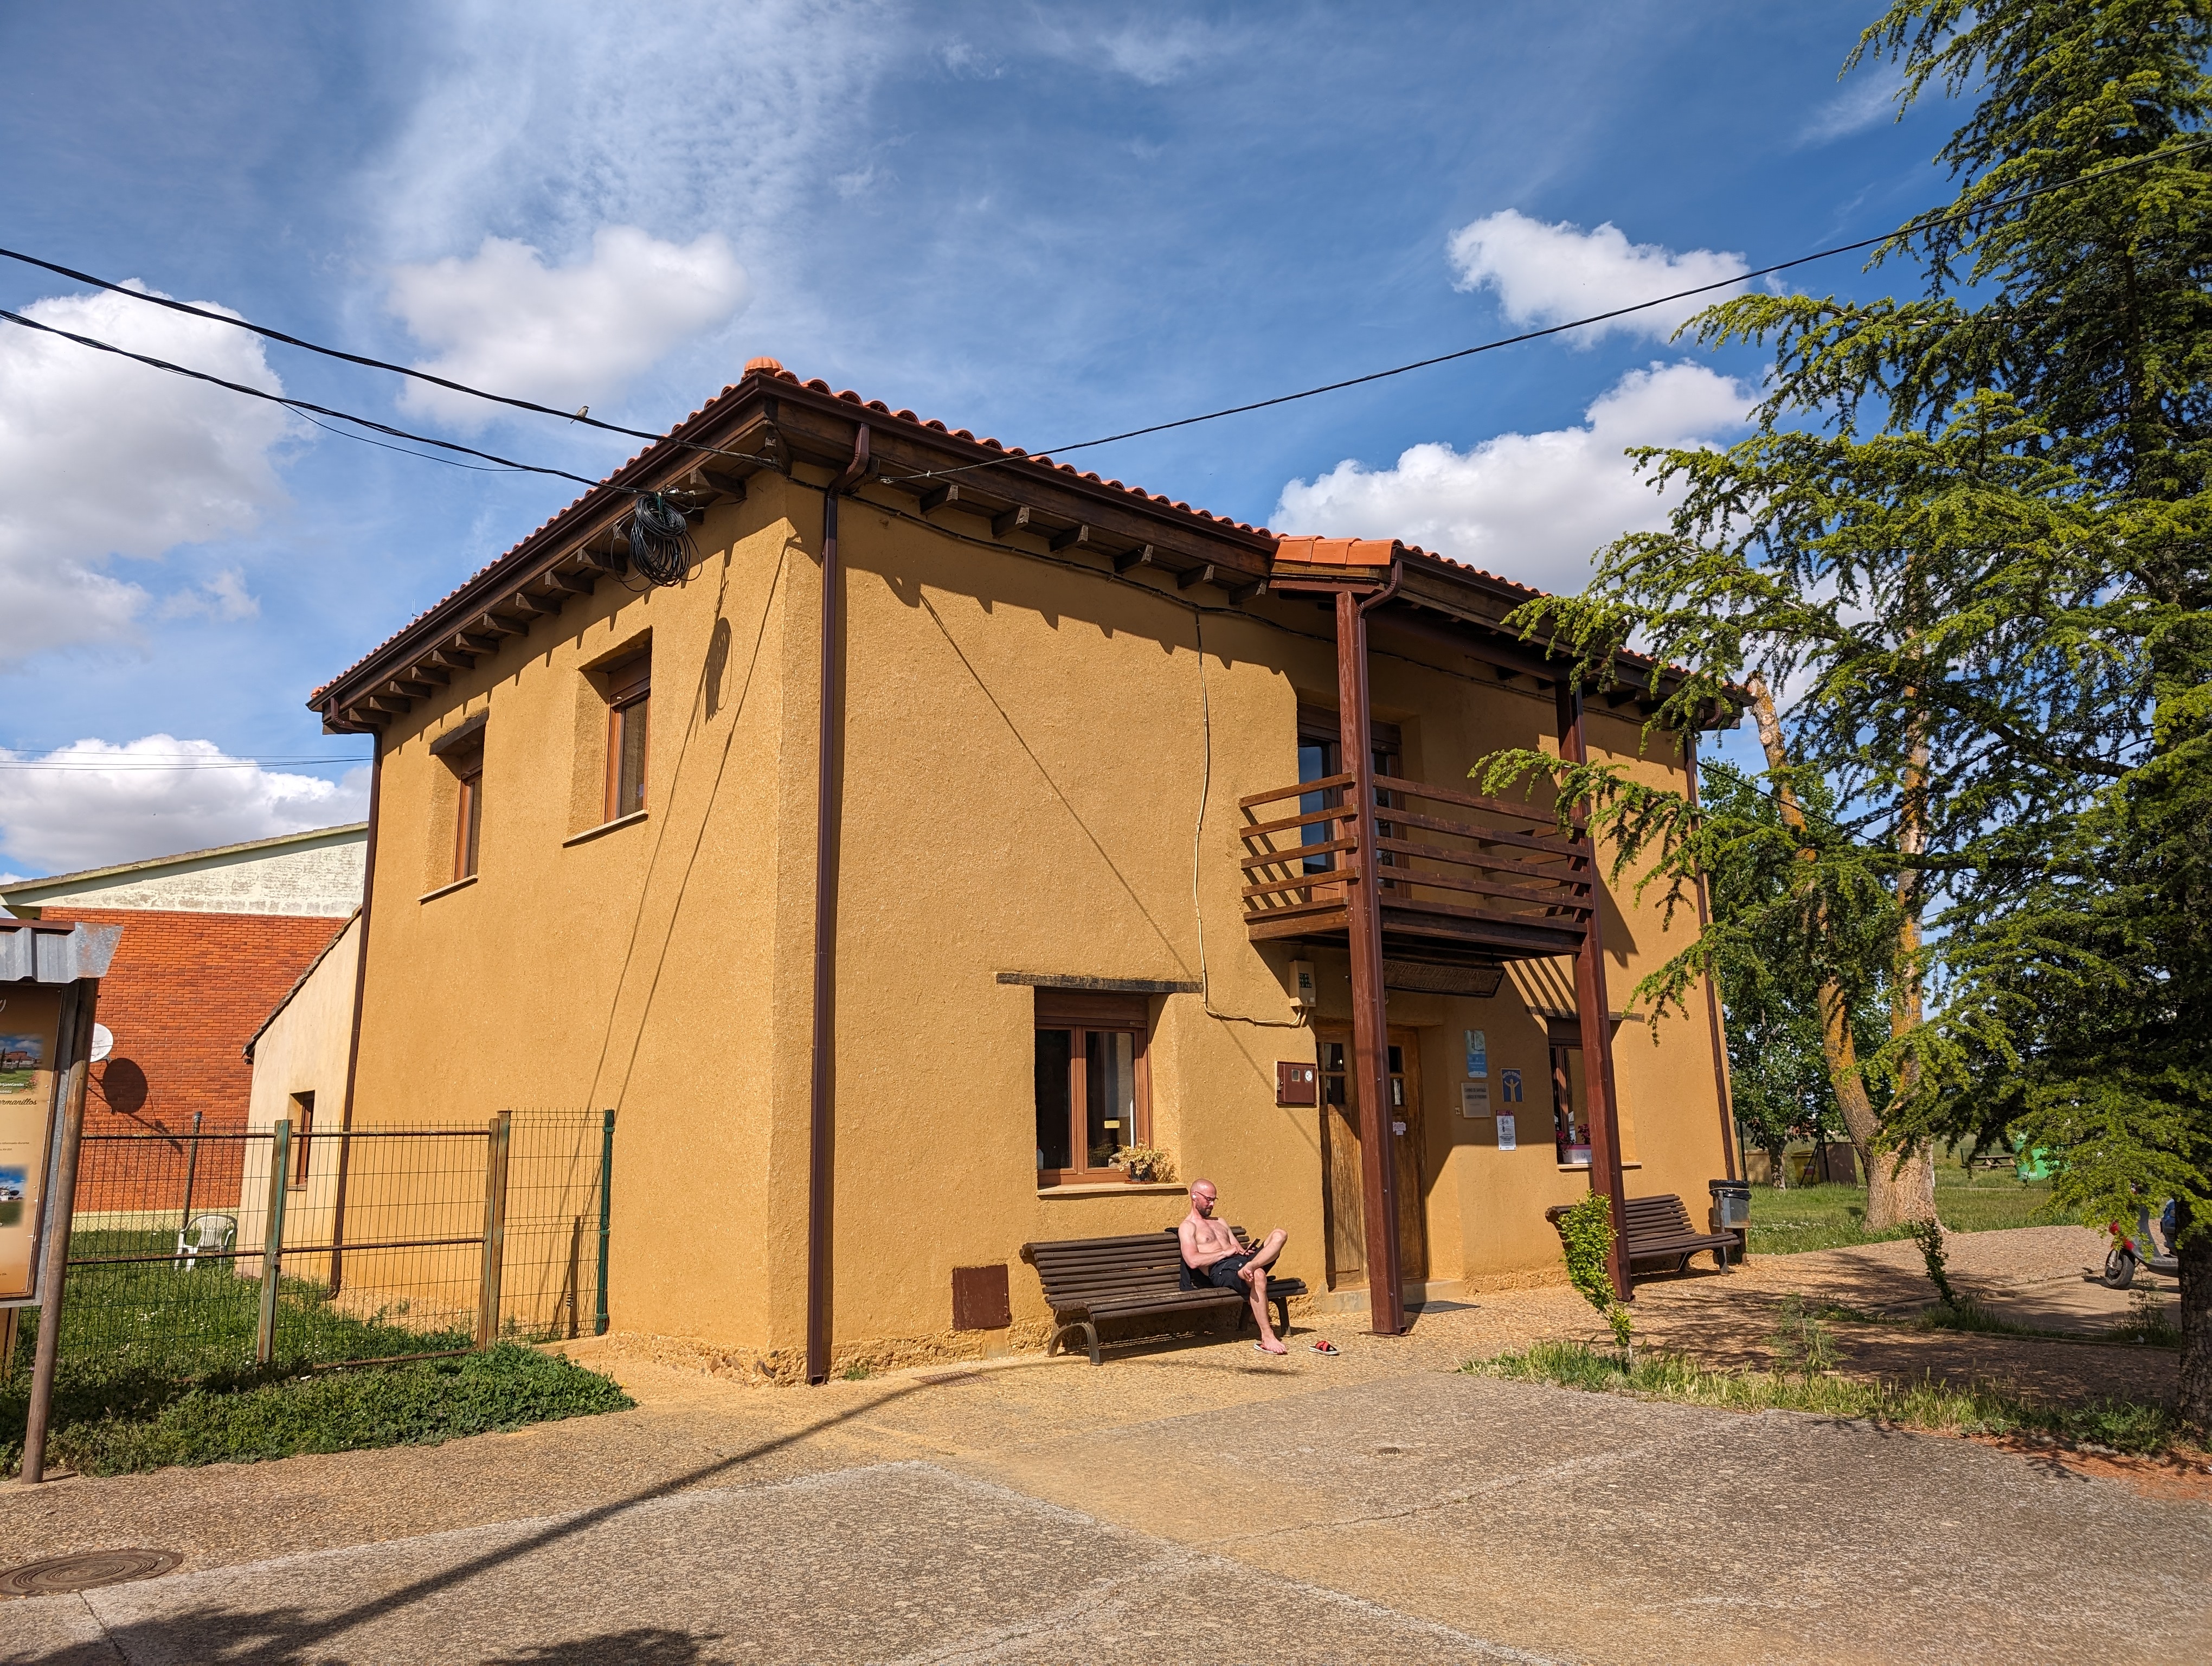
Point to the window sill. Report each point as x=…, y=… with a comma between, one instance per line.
x=462, y=883
x=1583, y=1168
x=591, y=833
x=1114, y=1188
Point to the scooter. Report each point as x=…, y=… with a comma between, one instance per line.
x=2127, y=1254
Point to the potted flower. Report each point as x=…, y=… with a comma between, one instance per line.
x=1140, y=1163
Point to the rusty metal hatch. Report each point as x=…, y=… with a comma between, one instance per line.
x=980, y=1298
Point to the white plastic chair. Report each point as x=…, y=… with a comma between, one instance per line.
x=205, y=1235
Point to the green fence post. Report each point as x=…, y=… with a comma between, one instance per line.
x=497, y=1139
x=606, y=1214
x=272, y=1250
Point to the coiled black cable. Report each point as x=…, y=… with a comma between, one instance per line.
x=660, y=547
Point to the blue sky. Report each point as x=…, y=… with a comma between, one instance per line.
x=1039, y=222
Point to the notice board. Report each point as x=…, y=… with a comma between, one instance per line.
x=30, y=1014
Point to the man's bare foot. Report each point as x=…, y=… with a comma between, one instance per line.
x=1271, y=1347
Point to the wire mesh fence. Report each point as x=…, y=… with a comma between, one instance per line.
x=228, y=1250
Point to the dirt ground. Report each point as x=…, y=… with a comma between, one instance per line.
x=1194, y=1500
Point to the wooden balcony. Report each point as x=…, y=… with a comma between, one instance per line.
x=1464, y=879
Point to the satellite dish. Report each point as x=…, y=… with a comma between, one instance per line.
x=103, y=1041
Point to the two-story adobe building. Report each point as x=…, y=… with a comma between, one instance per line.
x=931, y=822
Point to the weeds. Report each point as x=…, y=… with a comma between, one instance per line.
x=2146, y=1322
x=858, y=1372
x=1801, y=1340
x=1929, y=1235
x=1979, y=1409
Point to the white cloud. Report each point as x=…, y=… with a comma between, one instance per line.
x=565, y=335
x=1549, y=274
x=548, y=122
x=1532, y=508
x=102, y=457
x=101, y=803
x=222, y=597
x=1870, y=98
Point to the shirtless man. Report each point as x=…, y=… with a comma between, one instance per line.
x=1210, y=1249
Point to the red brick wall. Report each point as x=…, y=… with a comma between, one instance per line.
x=184, y=994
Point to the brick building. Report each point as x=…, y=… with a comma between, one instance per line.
x=212, y=941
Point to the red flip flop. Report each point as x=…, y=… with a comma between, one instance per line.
x=1323, y=1345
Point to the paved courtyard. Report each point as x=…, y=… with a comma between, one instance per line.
x=1190, y=1501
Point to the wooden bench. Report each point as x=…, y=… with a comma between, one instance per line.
x=1659, y=1229
x=1139, y=1276
x=1279, y=1289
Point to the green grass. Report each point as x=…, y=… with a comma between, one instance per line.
x=1833, y=1217
x=136, y=1421
x=2119, y=1426
x=156, y=1367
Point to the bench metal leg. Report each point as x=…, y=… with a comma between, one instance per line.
x=1056, y=1342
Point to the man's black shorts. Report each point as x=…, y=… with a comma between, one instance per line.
x=1224, y=1273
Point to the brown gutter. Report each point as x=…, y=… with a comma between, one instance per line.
x=821, y=1151
x=360, y=993
x=1712, y=993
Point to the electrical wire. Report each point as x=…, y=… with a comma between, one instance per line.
x=1914, y=229
x=264, y=331
x=300, y=406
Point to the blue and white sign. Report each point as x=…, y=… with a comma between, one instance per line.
x=1509, y=1086
x=1478, y=1053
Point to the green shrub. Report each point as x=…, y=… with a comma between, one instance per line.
x=129, y=1422
x=1586, y=1238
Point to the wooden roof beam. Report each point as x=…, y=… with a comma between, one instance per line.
x=1201, y=573
x=1015, y=519
x=1140, y=557
x=1074, y=538
x=941, y=497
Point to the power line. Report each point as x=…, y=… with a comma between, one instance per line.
x=327, y=352
x=1913, y=228
x=300, y=405
x=310, y=411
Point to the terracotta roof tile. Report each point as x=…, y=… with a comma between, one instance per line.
x=1318, y=550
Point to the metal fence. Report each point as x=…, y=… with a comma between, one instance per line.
x=219, y=1251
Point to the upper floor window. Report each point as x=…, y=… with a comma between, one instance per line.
x=629, y=703
x=461, y=750
x=1320, y=755
x=468, y=820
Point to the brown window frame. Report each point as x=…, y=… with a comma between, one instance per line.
x=303, y=1124
x=468, y=814
x=1323, y=727
x=1083, y=1014
x=630, y=687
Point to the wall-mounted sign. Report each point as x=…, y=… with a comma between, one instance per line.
x=27, y=1107
x=1296, y=1084
x=1509, y=1086
x=1478, y=1053
x=1474, y=1099
x=1505, y=1139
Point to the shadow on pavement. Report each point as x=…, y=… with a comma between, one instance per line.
x=293, y=1637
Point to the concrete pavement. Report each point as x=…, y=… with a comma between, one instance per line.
x=1186, y=1504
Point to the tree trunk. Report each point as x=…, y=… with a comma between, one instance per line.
x=1896, y=1192
x=2193, y=1399
x=1902, y=1189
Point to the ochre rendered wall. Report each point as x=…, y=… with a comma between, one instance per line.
x=1026, y=752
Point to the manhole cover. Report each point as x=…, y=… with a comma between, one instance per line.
x=58, y=1576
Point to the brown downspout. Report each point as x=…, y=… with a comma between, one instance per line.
x=360, y=993
x=1370, y=1020
x=821, y=1148
x=1591, y=1011
x=1712, y=992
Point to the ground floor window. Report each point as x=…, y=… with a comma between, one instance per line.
x=1092, y=1084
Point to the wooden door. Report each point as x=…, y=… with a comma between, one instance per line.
x=1344, y=1214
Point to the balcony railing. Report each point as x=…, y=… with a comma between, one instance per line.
x=1448, y=883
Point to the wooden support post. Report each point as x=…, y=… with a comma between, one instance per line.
x=1371, y=1023
x=1595, y=1018
x=497, y=1139
x=272, y=1242
x=73, y=1045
